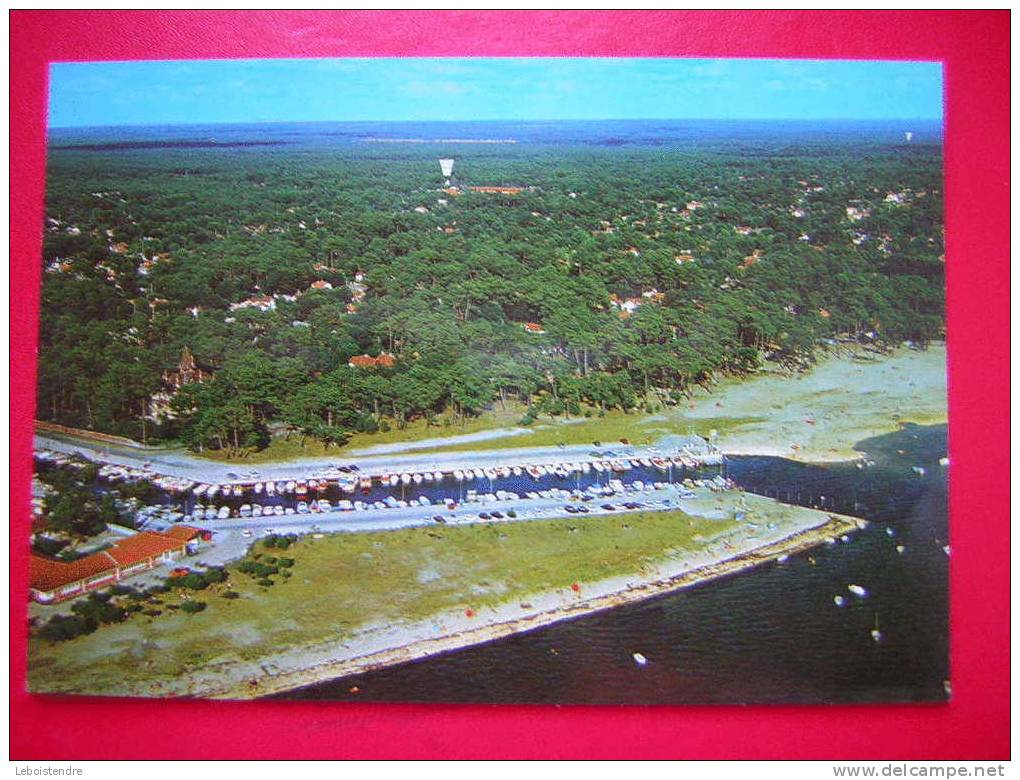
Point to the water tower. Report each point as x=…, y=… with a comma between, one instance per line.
x=446, y=166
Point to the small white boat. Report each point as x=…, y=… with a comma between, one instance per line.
x=858, y=590
x=289, y=510
x=313, y=484
x=301, y=488
x=394, y=480
x=405, y=479
x=639, y=659
x=200, y=490
x=256, y=510
x=943, y=462
x=270, y=488
x=542, y=470
x=278, y=511
x=224, y=513
x=344, y=505
x=597, y=465
x=325, y=506
x=945, y=549
x=438, y=476
x=890, y=532
x=919, y=470
x=210, y=512
x=417, y=479
x=245, y=510
x=490, y=473
x=258, y=488
x=516, y=470
x=839, y=601
x=458, y=475
x=291, y=486
x=479, y=474
x=424, y=501
x=900, y=548
x=428, y=476
x=302, y=508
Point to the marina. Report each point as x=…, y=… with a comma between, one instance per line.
x=346, y=489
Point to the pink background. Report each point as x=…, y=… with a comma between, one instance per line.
x=974, y=46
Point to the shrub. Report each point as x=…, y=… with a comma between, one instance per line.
x=97, y=607
x=285, y=562
x=270, y=541
x=152, y=612
x=266, y=583
x=194, y=581
x=270, y=559
x=215, y=574
x=60, y=628
x=191, y=607
x=231, y=594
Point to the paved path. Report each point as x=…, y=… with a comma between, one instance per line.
x=180, y=463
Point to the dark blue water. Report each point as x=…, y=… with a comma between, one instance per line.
x=705, y=133
x=768, y=636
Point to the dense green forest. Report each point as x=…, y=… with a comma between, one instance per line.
x=643, y=270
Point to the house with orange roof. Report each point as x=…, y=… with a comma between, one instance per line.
x=51, y=580
x=384, y=360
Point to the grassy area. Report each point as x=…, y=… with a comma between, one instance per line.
x=615, y=425
x=346, y=582
x=295, y=446
x=638, y=429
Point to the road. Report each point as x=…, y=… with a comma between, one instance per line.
x=180, y=463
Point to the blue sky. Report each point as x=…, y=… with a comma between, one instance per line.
x=211, y=91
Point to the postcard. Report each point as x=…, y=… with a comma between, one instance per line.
x=493, y=380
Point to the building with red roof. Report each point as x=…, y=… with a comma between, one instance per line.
x=51, y=580
x=385, y=360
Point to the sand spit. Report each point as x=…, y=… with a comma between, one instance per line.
x=307, y=666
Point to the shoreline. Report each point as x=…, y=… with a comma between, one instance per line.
x=645, y=587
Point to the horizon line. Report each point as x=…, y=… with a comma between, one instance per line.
x=884, y=120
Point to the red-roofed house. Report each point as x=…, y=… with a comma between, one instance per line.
x=52, y=580
x=321, y=284
x=385, y=360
